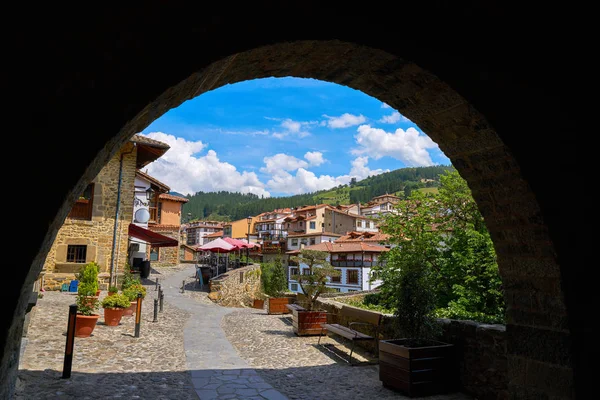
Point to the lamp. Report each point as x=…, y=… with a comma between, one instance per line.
x=149, y=193
x=249, y=219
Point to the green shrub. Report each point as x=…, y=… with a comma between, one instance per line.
x=273, y=278
x=118, y=300
x=88, y=277
x=129, y=279
x=86, y=305
x=132, y=291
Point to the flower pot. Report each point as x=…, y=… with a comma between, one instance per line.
x=85, y=324
x=307, y=323
x=129, y=311
x=260, y=304
x=276, y=305
x=111, y=293
x=417, y=367
x=98, y=293
x=112, y=316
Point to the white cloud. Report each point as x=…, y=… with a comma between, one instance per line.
x=186, y=174
x=314, y=158
x=393, y=118
x=344, y=121
x=361, y=171
x=407, y=146
x=291, y=128
x=304, y=181
x=385, y=105
x=282, y=162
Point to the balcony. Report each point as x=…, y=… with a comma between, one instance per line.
x=353, y=263
x=269, y=248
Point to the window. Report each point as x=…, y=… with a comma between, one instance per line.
x=359, y=224
x=305, y=271
x=352, y=276
x=294, y=287
x=76, y=253
x=293, y=271
x=353, y=290
x=336, y=289
x=82, y=209
x=294, y=242
x=337, y=279
x=313, y=240
x=313, y=224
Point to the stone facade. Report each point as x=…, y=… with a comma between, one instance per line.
x=167, y=256
x=236, y=288
x=97, y=234
x=480, y=348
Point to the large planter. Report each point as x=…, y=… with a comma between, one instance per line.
x=112, y=316
x=260, y=304
x=129, y=311
x=308, y=323
x=276, y=305
x=85, y=324
x=417, y=368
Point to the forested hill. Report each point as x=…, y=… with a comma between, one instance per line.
x=229, y=206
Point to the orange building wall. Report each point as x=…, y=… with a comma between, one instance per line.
x=170, y=213
x=239, y=228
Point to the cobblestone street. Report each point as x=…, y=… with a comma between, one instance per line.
x=245, y=354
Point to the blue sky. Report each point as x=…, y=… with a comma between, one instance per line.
x=283, y=136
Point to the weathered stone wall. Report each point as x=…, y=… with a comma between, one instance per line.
x=481, y=350
x=97, y=234
x=167, y=256
x=236, y=288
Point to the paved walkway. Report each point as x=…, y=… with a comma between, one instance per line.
x=217, y=370
x=196, y=349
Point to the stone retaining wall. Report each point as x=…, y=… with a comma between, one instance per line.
x=236, y=288
x=480, y=349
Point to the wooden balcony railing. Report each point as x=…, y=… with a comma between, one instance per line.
x=353, y=263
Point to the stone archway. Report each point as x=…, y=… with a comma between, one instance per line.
x=539, y=338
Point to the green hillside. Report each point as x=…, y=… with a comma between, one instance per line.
x=231, y=206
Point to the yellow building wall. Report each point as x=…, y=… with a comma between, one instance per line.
x=239, y=228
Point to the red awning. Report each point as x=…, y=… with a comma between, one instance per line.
x=153, y=238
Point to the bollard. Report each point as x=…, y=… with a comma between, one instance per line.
x=138, y=315
x=162, y=296
x=156, y=287
x=155, y=311
x=70, y=342
x=183, y=287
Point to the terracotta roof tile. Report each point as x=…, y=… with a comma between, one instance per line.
x=215, y=234
x=314, y=234
x=356, y=247
x=168, y=196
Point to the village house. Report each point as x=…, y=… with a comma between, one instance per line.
x=97, y=227
x=354, y=260
x=197, y=232
x=380, y=206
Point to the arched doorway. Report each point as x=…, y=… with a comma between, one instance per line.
x=113, y=91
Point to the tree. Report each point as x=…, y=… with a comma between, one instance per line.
x=273, y=277
x=442, y=241
x=314, y=283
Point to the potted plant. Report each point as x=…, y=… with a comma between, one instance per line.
x=131, y=292
x=114, y=307
x=86, y=318
x=415, y=363
x=88, y=276
x=313, y=284
x=274, y=283
x=113, y=290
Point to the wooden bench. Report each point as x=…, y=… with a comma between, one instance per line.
x=295, y=307
x=369, y=319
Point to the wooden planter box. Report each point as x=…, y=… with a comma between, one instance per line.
x=417, y=371
x=308, y=323
x=260, y=304
x=276, y=305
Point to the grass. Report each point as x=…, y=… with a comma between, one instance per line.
x=358, y=302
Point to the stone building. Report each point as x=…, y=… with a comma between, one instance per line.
x=96, y=228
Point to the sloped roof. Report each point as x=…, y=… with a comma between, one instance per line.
x=153, y=180
x=149, y=142
x=168, y=196
x=335, y=247
x=372, y=237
